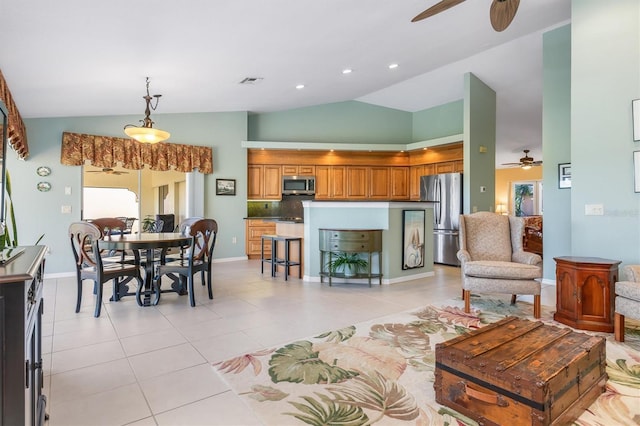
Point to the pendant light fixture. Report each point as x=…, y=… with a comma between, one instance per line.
x=146, y=133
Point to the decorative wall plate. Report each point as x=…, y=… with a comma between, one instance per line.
x=43, y=171
x=43, y=186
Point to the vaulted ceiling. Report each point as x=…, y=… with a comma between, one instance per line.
x=82, y=58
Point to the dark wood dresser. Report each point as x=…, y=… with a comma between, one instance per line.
x=21, y=377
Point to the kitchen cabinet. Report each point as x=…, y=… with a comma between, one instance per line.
x=264, y=182
x=449, y=167
x=379, y=182
x=254, y=230
x=415, y=173
x=22, y=401
x=357, y=182
x=292, y=170
x=399, y=186
x=330, y=182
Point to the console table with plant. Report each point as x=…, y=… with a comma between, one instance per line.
x=347, y=253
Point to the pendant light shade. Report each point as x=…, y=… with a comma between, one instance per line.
x=146, y=133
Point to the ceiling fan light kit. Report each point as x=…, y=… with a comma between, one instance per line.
x=146, y=133
x=525, y=162
x=501, y=12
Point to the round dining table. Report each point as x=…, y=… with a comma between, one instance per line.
x=148, y=242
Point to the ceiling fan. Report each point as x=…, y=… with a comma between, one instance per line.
x=108, y=171
x=501, y=12
x=525, y=162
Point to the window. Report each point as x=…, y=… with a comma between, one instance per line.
x=526, y=198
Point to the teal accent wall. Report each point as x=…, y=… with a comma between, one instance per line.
x=479, y=130
x=40, y=212
x=345, y=122
x=440, y=121
x=605, y=64
x=556, y=145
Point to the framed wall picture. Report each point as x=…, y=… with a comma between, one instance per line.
x=636, y=171
x=564, y=175
x=413, y=239
x=225, y=187
x=635, y=113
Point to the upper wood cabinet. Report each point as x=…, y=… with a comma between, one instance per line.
x=399, y=185
x=330, y=182
x=351, y=174
x=264, y=182
x=291, y=170
x=378, y=183
x=357, y=182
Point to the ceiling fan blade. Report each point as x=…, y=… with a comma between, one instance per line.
x=502, y=13
x=441, y=6
x=511, y=164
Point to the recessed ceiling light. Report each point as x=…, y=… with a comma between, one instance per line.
x=393, y=66
x=300, y=86
x=347, y=71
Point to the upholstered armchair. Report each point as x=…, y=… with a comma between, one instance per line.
x=493, y=260
x=627, y=299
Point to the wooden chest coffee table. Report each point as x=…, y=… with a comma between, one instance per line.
x=520, y=372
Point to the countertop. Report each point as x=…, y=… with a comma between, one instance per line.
x=278, y=219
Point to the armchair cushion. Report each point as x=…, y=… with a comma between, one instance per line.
x=628, y=290
x=630, y=273
x=488, y=237
x=501, y=270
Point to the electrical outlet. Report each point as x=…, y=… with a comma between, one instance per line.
x=474, y=209
x=65, y=209
x=483, y=189
x=234, y=240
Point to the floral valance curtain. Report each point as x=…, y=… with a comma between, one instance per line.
x=106, y=151
x=16, y=130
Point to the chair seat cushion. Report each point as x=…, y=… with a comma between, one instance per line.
x=501, y=270
x=628, y=290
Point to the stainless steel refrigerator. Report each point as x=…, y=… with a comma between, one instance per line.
x=445, y=191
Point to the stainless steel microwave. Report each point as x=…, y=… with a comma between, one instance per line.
x=298, y=185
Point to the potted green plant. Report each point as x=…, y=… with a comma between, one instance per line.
x=349, y=263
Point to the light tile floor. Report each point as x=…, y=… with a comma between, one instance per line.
x=152, y=366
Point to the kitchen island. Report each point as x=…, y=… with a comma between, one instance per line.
x=354, y=215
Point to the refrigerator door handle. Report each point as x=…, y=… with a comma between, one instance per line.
x=439, y=199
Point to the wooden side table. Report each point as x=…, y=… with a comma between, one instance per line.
x=584, y=292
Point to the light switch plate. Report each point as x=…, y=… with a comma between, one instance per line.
x=593, y=209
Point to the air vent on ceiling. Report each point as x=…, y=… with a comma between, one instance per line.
x=251, y=80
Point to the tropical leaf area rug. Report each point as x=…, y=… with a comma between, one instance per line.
x=382, y=371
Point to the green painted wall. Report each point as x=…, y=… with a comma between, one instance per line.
x=556, y=145
x=479, y=131
x=605, y=70
x=40, y=212
x=440, y=121
x=346, y=122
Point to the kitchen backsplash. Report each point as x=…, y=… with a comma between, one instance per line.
x=290, y=206
x=263, y=209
